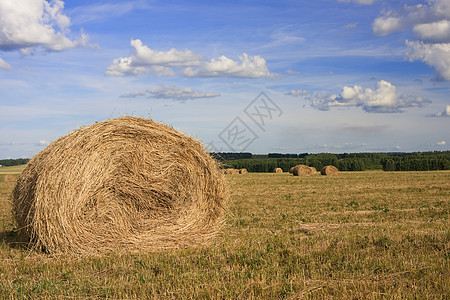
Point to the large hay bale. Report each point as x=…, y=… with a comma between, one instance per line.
x=243, y=171
x=278, y=170
x=329, y=170
x=313, y=170
x=301, y=170
x=126, y=184
x=9, y=178
x=291, y=170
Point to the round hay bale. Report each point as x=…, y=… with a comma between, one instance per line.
x=231, y=171
x=313, y=170
x=9, y=178
x=291, y=170
x=329, y=170
x=278, y=170
x=301, y=170
x=124, y=185
x=243, y=171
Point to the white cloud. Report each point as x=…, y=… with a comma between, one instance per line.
x=146, y=60
x=132, y=95
x=27, y=24
x=165, y=63
x=250, y=66
x=445, y=113
x=297, y=93
x=383, y=99
x=4, y=65
x=364, y=2
x=172, y=92
x=434, y=55
x=430, y=24
x=435, y=32
x=292, y=72
x=385, y=25
x=429, y=21
x=351, y=25
x=441, y=143
x=43, y=143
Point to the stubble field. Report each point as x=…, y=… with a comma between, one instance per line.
x=356, y=235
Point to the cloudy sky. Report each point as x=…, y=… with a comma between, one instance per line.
x=260, y=76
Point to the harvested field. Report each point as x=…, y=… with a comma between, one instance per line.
x=359, y=235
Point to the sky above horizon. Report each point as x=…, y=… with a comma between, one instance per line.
x=257, y=76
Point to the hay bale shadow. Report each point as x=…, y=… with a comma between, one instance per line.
x=14, y=240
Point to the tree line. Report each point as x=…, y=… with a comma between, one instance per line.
x=13, y=162
x=417, y=161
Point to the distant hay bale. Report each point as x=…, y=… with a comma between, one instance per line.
x=302, y=170
x=291, y=170
x=231, y=171
x=329, y=170
x=278, y=170
x=9, y=178
x=243, y=171
x=313, y=170
x=124, y=185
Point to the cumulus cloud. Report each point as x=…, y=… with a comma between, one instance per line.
x=429, y=21
x=445, y=113
x=249, y=66
x=383, y=99
x=4, y=65
x=435, y=32
x=144, y=60
x=385, y=25
x=28, y=24
x=296, y=93
x=166, y=63
x=434, y=55
x=171, y=92
x=430, y=24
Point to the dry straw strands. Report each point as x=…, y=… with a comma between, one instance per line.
x=329, y=170
x=313, y=170
x=278, y=170
x=9, y=178
x=126, y=184
x=302, y=170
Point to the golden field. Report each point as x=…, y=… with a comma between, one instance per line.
x=356, y=235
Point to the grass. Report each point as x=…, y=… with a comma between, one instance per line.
x=356, y=235
x=12, y=169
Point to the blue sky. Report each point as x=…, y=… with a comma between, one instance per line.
x=259, y=76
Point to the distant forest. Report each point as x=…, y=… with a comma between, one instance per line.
x=13, y=162
x=395, y=161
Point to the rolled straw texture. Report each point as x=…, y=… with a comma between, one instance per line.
x=126, y=184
